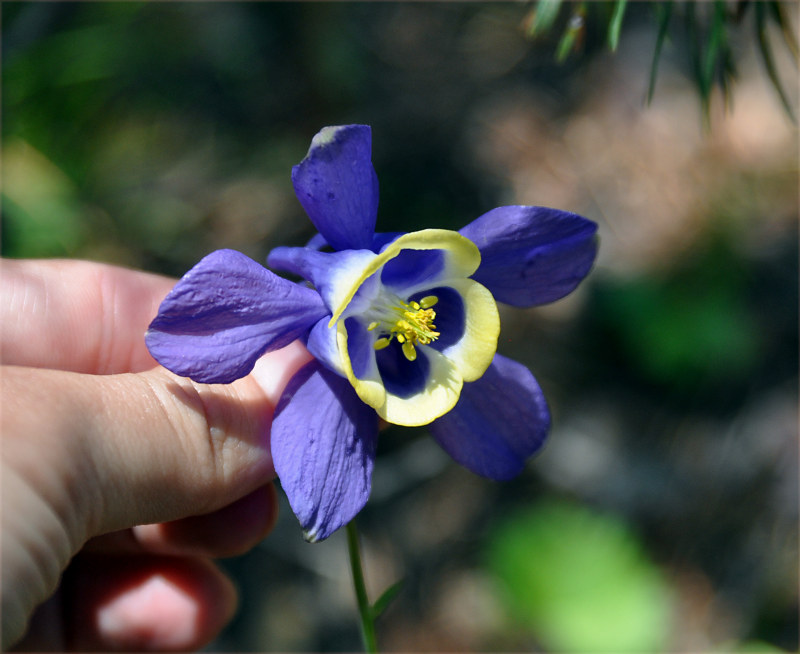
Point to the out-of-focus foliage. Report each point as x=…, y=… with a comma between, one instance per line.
x=43, y=216
x=148, y=134
x=708, y=30
x=691, y=326
x=581, y=581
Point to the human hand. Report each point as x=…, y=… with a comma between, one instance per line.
x=120, y=480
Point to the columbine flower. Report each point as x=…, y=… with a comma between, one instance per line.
x=402, y=326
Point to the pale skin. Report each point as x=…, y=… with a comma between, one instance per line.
x=120, y=481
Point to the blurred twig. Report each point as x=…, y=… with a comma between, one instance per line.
x=706, y=29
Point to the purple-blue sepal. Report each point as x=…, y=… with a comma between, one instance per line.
x=338, y=187
x=224, y=314
x=323, y=443
x=532, y=255
x=500, y=420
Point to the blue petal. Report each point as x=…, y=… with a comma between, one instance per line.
x=359, y=347
x=382, y=239
x=323, y=346
x=379, y=241
x=323, y=443
x=332, y=273
x=499, y=421
x=400, y=376
x=532, y=255
x=450, y=318
x=224, y=314
x=338, y=187
x=413, y=267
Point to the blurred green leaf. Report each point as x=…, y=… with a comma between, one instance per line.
x=695, y=57
x=615, y=24
x=41, y=212
x=386, y=598
x=707, y=27
x=543, y=17
x=779, y=16
x=716, y=44
x=664, y=13
x=682, y=335
x=579, y=580
x=573, y=34
x=766, y=56
x=691, y=325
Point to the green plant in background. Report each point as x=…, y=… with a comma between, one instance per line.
x=42, y=208
x=689, y=327
x=579, y=581
x=706, y=27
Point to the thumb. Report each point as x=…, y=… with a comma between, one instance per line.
x=84, y=455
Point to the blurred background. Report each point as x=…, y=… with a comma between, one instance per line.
x=663, y=513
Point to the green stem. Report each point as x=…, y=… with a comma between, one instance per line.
x=364, y=608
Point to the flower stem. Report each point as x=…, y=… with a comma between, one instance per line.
x=364, y=608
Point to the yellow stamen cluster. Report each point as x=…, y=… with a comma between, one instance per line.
x=412, y=325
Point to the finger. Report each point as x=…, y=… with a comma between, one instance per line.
x=122, y=450
x=77, y=315
x=230, y=531
x=144, y=603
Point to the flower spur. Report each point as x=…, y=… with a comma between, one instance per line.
x=402, y=326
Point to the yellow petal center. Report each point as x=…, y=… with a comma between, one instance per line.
x=411, y=323
x=392, y=317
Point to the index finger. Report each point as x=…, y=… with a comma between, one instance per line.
x=77, y=315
